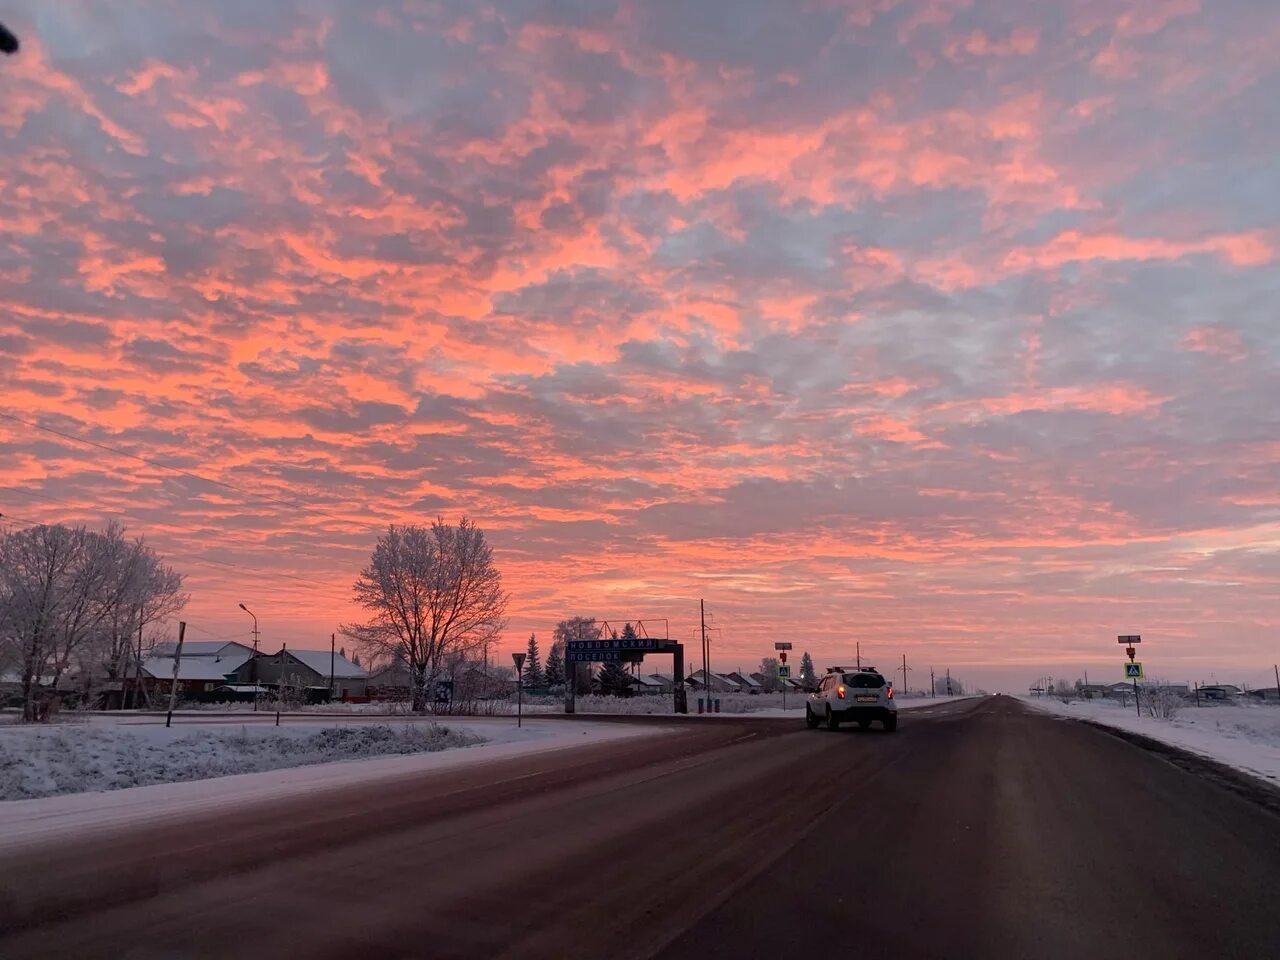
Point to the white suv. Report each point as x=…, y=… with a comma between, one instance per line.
x=852, y=696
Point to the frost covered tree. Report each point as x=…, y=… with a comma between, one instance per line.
x=808, y=675
x=769, y=670
x=533, y=676
x=431, y=592
x=140, y=590
x=553, y=672
x=576, y=628
x=70, y=599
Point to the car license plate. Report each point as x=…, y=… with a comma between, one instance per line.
x=866, y=699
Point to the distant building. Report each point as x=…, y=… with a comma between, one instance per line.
x=206, y=665
x=718, y=682
x=664, y=682
x=743, y=682
x=304, y=668
x=1220, y=691
x=646, y=685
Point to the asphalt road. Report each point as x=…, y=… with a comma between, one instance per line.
x=980, y=829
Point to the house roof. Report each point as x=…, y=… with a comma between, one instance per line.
x=660, y=677
x=649, y=681
x=743, y=678
x=192, y=668
x=202, y=648
x=318, y=660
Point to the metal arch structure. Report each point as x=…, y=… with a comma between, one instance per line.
x=602, y=642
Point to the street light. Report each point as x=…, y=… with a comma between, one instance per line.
x=255, y=655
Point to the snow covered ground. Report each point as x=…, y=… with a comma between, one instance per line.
x=46, y=760
x=31, y=820
x=1246, y=737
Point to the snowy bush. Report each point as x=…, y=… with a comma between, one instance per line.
x=1161, y=703
x=42, y=763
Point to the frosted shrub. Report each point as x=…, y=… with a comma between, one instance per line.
x=1162, y=704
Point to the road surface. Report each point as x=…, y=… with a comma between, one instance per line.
x=980, y=829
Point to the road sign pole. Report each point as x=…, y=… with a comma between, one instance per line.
x=518, y=660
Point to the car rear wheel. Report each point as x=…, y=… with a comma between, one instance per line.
x=891, y=723
x=833, y=722
x=810, y=720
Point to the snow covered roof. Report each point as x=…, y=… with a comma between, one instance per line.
x=203, y=648
x=318, y=660
x=193, y=668
x=743, y=679
x=648, y=681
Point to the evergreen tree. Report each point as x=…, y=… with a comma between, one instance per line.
x=553, y=672
x=807, y=675
x=533, y=676
x=614, y=679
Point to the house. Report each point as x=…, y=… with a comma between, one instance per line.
x=1220, y=691
x=718, y=682
x=663, y=681
x=205, y=665
x=743, y=682
x=304, y=668
x=1178, y=689
x=390, y=682
x=1268, y=694
x=647, y=685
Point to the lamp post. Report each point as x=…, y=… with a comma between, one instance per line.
x=255, y=655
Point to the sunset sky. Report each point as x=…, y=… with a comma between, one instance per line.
x=946, y=326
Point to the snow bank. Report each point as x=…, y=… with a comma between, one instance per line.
x=1246, y=737
x=46, y=761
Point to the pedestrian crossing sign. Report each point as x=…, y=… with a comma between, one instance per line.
x=1133, y=671
x=784, y=670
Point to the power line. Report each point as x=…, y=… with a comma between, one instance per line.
x=296, y=503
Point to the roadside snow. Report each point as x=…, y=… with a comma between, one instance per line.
x=1246, y=737
x=33, y=821
x=43, y=761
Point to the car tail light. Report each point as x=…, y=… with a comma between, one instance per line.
x=840, y=692
x=891, y=693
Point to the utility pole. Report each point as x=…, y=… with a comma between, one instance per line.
x=859, y=654
x=706, y=655
x=284, y=653
x=137, y=677
x=933, y=690
x=332, y=641
x=177, y=662
x=254, y=671
x=1276, y=668
x=905, y=668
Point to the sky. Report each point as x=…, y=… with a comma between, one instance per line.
x=947, y=327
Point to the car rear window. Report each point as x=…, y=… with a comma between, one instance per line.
x=867, y=681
